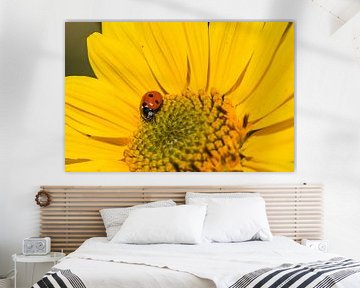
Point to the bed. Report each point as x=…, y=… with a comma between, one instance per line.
x=99, y=263
x=294, y=211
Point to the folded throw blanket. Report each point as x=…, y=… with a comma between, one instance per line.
x=319, y=274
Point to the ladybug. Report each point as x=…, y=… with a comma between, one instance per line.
x=150, y=104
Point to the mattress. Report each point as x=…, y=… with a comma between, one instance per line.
x=99, y=263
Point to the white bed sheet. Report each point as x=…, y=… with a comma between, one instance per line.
x=100, y=263
x=112, y=274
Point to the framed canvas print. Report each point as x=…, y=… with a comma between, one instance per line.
x=179, y=96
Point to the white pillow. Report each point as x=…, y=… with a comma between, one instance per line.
x=204, y=198
x=113, y=218
x=180, y=224
x=236, y=220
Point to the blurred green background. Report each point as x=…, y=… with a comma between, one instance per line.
x=76, y=56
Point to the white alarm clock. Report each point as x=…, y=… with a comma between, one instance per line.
x=320, y=245
x=36, y=246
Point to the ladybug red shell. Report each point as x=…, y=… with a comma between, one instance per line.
x=150, y=104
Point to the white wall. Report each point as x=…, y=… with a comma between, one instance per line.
x=32, y=109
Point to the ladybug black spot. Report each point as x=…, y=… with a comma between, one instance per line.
x=157, y=101
x=151, y=95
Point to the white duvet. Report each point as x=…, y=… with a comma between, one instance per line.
x=100, y=263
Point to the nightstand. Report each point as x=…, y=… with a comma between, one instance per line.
x=320, y=245
x=53, y=257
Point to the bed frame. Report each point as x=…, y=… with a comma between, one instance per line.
x=73, y=215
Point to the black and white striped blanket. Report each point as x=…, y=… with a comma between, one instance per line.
x=320, y=274
x=59, y=278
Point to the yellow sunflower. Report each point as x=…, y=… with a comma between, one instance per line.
x=227, y=92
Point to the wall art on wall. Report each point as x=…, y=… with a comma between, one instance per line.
x=179, y=96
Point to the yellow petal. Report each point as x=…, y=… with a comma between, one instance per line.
x=123, y=31
x=276, y=88
x=97, y=166
x=197, y=38
x=270, y=149
x=165, y=49
x=231, y=47
x=250, y=169
x=80, y=146
x=98, y=109
x=121, y=64
x=282, y=112
x=84, y=154
x=162, y=44
x=269, y=80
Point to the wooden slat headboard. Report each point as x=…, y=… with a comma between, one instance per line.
x=73, y=215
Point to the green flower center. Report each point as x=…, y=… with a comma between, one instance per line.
x=191, y=132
